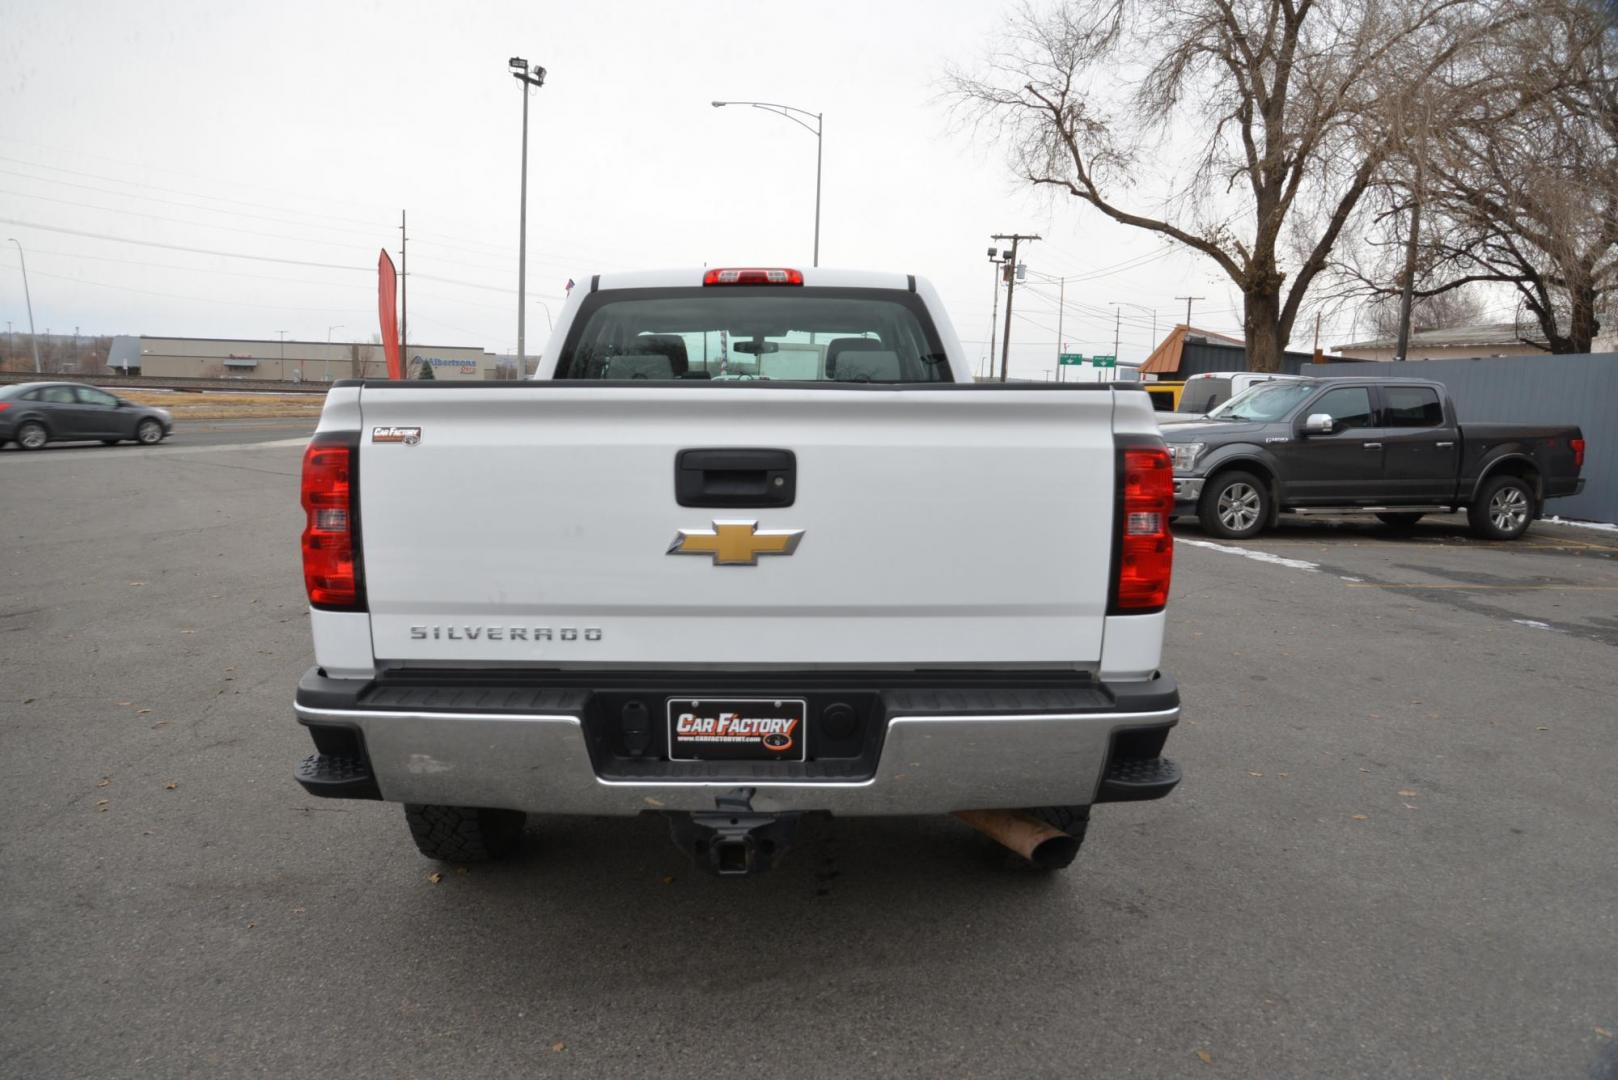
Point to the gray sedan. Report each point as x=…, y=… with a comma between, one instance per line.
x=35, y=413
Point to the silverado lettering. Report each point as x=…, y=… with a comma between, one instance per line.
x=505, y=633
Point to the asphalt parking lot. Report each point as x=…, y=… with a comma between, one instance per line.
x=1393, y=853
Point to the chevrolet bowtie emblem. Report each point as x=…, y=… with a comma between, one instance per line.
x=736, y=543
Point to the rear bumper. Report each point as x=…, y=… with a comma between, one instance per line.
x=940, y=752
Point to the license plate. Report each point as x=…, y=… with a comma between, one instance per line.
x=737, y=729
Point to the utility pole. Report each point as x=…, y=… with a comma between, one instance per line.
x=1061, y=307
x=1011, y=287
x=527, y=76
x=1117, y=325
x=33, y=338
x=1188, y=300
x=404, y=291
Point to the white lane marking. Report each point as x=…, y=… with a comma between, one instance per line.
x=1536, y=624
x=1249, y=553
x=141, y=453
x=1601, y=526
x=271, y=445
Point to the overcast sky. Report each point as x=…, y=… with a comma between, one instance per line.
x=295, y=132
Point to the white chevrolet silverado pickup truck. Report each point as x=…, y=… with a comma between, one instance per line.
x=751, y=545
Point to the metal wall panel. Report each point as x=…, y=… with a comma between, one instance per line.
x=1579, y=389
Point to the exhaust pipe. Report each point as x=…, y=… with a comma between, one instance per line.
x=1044, y=845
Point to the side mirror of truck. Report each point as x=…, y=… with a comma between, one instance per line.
x=1318, y=424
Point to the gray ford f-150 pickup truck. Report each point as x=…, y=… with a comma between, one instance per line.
x=1392, y=447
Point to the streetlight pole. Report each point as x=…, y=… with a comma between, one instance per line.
x=1011, y=286
x=527, y=75
x=33, y=338
x=817, y=130
x=329, y=329
x=994, y=307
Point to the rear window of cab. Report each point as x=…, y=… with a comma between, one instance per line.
x=731, y=334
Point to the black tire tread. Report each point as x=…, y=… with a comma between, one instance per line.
x=17, y=435
x=1073, y=820
x=1477, y=514
x=464, y=834
x=1208, y=509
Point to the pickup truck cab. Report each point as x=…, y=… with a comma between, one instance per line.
x=750, y=545
x=1208, y=390
x=1389, y=447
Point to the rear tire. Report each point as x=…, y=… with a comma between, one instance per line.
x=1073, y=820
x=1400, y=521
x=149, y=433
x=1235, y=505
x=464, y=834
x=32, y=435
x=1504, y=508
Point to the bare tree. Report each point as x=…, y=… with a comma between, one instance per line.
x=1285, y=102
x=1438, y=311
x=1522, y=187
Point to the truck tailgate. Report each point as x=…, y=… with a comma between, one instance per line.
x=532, y=523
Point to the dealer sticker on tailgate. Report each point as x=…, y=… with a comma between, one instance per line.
x=737, y=729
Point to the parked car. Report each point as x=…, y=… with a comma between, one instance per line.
x=1207, y=391
x=814, y=445
x=1165, y=395
x=35, y=413
x=1389, y=447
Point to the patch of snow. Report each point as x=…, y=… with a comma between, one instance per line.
x=1536, y=624
x=1249, y=553
x=1355, y=580
x=1599, y=525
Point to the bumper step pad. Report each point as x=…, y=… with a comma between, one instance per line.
x=1138, y=779
x=338, y=776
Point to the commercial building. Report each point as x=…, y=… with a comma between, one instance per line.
x=1187, y=351
x=287, y=361
x=1455, y=343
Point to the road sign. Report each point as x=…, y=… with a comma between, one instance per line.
x=1069, y=358
x=1104, y=361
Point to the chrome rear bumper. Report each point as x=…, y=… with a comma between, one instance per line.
x=541, y=763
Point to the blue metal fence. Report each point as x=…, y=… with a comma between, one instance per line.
x=1580, y=389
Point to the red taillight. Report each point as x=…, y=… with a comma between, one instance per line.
x=1578, y=453
x=1145, y=545
x=4, y=405
x=331, y=569
x=753, y=276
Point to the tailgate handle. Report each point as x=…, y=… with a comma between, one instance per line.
x=735, y=477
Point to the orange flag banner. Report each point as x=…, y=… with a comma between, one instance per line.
x=387, y=306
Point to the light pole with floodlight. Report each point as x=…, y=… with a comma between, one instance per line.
x=33, y=338
x=788, y=111
x=527, y=75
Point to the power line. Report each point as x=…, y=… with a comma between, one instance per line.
x=179, y=221
x=182, y=296
x=176, y=202
x=182, y=247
